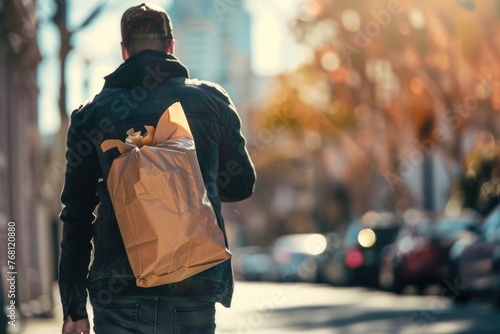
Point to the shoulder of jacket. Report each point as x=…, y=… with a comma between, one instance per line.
x=84, y=113
x=84, y=106
x=87, y=103
x=212, y=87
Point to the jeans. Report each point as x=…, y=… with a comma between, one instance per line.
x=153, y=315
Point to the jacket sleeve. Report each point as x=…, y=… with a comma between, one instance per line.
x=79, y=199
x=237, y=177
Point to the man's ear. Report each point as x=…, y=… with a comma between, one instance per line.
x=124, y=52
x=171, y=48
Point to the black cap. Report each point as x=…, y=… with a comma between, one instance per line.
x=136, y=13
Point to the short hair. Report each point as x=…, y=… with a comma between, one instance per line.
x=145, y=26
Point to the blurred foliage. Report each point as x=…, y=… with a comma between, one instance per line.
x=383, y=79
x=479, y=187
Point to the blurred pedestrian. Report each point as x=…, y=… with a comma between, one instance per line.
x=136, y=94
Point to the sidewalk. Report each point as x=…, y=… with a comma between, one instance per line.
x=48, y=326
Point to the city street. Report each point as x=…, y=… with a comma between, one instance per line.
x=273, y=308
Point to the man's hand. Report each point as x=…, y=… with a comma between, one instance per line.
x=76, y=327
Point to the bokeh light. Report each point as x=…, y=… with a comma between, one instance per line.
x=367, y=238
x=351, y=20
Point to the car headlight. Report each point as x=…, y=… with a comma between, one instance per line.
x=315, y=244
x=367, y=238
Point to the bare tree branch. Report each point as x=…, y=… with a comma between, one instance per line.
x=95, y=13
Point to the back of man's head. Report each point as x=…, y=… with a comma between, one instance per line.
x=146, y=26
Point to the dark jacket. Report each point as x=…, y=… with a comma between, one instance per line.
x=137, y=94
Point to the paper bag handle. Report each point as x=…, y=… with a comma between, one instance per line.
x=172, y=124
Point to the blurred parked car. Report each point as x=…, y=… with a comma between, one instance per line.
x=420, y=255
x=253, y=263
x=327, y=272
x=295, y=256
x=357, y=261
x=475, y=260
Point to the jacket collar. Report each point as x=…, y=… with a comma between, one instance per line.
x=146, y=63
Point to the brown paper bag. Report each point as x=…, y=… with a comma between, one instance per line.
x=166, y=221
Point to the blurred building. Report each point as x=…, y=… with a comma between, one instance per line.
x=213, y=41
x=20, y=159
